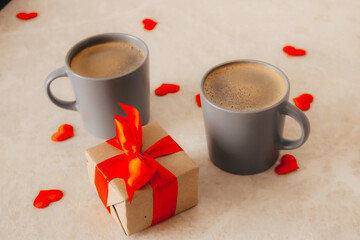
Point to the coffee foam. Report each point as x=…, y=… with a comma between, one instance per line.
x=107, y=59
x=244, y=86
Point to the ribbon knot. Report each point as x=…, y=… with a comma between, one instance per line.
x=138, y=168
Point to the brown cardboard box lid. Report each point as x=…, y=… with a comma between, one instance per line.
x=178, y=163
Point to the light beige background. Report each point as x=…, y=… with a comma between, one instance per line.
x=319, y=201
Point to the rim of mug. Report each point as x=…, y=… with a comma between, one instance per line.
x=265, y=64
x=75, y=47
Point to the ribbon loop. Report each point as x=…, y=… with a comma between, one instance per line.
x=128, y=131
x=164, y=146
x=141, y=169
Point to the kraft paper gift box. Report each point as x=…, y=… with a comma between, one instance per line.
x=144, y=210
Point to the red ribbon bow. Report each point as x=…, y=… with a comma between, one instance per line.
x=137, y=168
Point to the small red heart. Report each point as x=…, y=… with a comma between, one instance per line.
x=303, y=101
x=64, y=132
x=198, y=100
x=166, y=88
x=292, y=51
x=287, y=164
x=149, y=24
x=45, y=197
x=26, y=16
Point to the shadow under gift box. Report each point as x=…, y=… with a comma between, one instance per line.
x=138, y=215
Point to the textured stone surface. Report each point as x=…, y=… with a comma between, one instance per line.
x=318, y=201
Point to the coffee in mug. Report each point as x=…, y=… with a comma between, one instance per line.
x=107, y=59
x=105, y=70
x=244, y=86
x=244, y=103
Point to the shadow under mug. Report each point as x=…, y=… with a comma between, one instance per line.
x=248, y=142
x=97, y=98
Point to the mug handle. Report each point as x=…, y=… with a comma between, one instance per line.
x=302, y=120
x=71, y=105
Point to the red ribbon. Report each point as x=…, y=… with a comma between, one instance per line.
x=138, y=168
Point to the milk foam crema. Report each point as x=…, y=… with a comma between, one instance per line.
x=107, y=60
x=244, y=86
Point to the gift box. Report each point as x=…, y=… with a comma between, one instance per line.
x=142, y=175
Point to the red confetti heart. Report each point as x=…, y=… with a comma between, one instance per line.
x=292, y=51
x=26, y=16
x=64, y=132
x=198, y=100
x=166, y=88
x=45, y=197
x=149, y=24
x=287, y=164
x=303, y=101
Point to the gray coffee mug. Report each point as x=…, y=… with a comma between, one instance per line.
x=97, y=98
x=248, y=142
